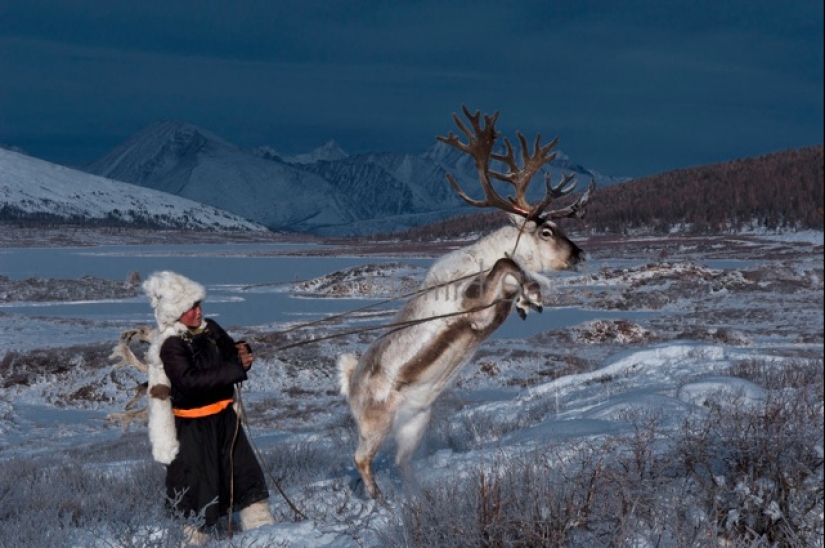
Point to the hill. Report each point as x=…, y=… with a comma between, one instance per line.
x=36, y=192
x=778, y=190
x=773, y=191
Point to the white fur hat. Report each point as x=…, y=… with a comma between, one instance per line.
x=171, y=295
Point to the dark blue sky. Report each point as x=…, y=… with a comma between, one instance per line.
x=630, y=87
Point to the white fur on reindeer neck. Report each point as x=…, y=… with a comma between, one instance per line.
x=509, y=241
x=170, y=295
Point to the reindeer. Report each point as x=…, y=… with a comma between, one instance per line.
x=461, y=303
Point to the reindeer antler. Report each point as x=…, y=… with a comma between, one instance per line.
x=122, y=355
x=480, y=147
x=126, y=418
x=144, y=333
x=130, y=414
x=576, y=210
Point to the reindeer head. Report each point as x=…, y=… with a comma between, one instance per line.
x=542, y=246
x=541, y=243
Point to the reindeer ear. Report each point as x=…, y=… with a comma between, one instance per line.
x=519, y=221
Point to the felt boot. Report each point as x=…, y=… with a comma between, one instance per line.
x=255, y=515
x=192, y=536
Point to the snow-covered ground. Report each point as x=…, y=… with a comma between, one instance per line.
x=691, y=326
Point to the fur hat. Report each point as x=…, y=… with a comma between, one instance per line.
x=171, y=295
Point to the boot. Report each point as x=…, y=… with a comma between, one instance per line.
x=255, y=515
x=192, y=536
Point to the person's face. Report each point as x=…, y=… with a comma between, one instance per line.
x=192, y=317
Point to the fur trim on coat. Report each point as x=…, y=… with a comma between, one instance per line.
x=162, y=433
x=170, y=295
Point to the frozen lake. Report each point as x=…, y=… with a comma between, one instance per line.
x=246, y=285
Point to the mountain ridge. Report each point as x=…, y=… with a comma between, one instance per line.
x=34, y=190
x=323, y=192
x=775, y=191
x=327, y=192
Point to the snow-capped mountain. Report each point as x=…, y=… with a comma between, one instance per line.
x=36, y=189
x=12, y=148
x=325, y=191
x=329, y=152
x=191, y=162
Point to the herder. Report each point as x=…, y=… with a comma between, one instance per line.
x=193, y=367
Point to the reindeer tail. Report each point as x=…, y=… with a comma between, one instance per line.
x=346, y=365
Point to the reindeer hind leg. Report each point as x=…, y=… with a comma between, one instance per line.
x=373, y=428
x=409, y=429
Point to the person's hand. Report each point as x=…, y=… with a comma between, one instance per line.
x=245, y=355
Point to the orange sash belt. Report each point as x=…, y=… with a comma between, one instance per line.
x=204, y=411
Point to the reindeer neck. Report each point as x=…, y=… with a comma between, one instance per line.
x=499, y=244
x=480, y=255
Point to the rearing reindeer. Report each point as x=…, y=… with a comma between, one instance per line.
x=392, y=387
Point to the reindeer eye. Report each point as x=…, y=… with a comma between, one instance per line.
x=547, y=233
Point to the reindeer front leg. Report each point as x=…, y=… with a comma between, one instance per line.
x=529, y=297
x=506, y=281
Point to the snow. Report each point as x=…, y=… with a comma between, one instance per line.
x=35, y=187
x=814, y=237
x=515, y=396
x=328, y=152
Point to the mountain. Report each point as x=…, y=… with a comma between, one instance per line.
x=35, y=190
x=781, y=190
x=191, y=162
x=325, y=191
x=12, y=148
x=329, y=152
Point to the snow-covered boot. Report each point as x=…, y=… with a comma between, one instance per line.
x=192, y=536
x=255, y=515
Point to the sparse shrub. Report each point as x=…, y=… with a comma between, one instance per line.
x=758, y=468
x=734, y=475
x=461, y=430
x=720, y=335
x=619, y=331
x=782, y=374
x=518, y=500
x=58, y=501
x=24, y=368
x=306, y=461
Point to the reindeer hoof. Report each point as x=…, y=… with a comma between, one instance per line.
x=359, y=488
x=522, y=313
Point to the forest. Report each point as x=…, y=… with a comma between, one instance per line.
x=781, y=190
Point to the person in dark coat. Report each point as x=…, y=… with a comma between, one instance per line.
x=194, y=367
